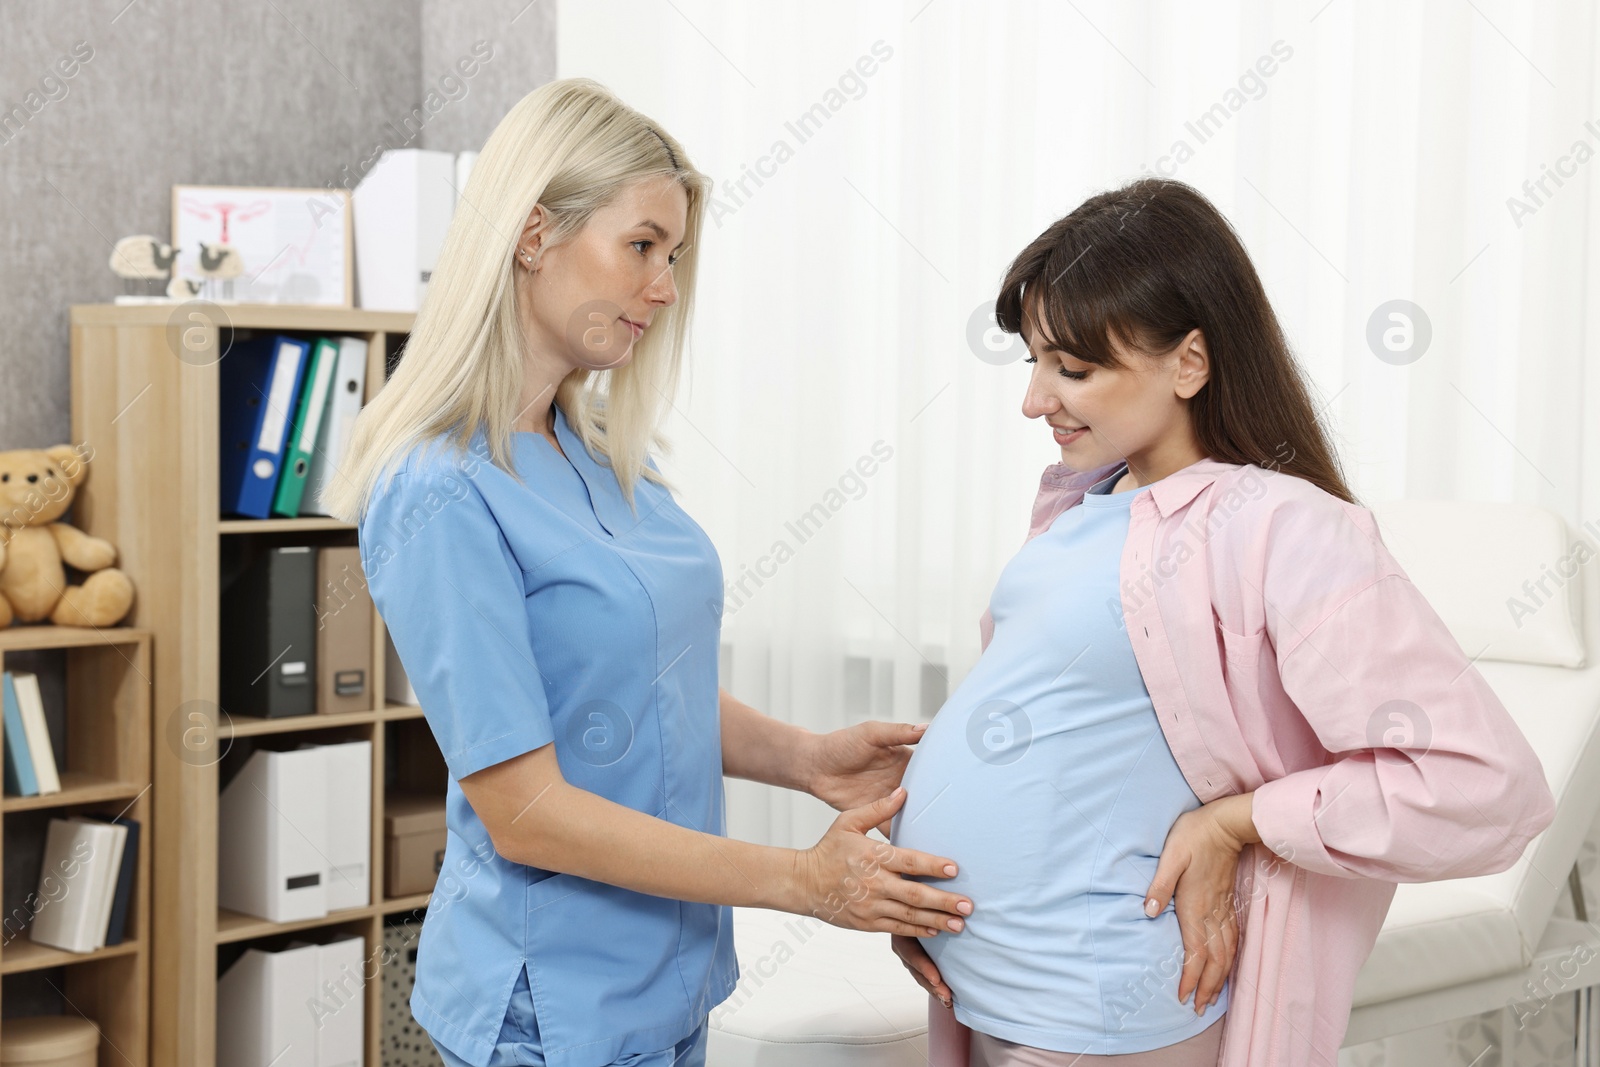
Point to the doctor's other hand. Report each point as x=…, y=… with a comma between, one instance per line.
x=921, y=966
x=859, y=764
x=850, y=880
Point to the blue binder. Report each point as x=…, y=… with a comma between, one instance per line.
x=19, y=777
x=260, y=381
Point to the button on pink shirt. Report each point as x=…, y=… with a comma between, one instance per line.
x=1282, y=644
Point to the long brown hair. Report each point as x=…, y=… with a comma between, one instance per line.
x=1146, y=264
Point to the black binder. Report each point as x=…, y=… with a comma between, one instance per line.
x=269, y=636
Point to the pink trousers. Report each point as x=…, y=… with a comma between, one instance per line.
x=952, y=1045
x=1197, y=1051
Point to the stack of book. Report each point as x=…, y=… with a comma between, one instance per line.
x=287, y=408
x=30, y=758
x=85, y=882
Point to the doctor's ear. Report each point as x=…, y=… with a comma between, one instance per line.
x=530, y=246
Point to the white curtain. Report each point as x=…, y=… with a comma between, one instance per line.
x=1434, y=152
x=879, y=164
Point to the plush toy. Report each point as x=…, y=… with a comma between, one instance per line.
x=36, y=488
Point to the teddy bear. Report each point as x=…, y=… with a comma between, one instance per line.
x=36, y=488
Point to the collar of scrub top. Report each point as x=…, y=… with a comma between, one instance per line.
x=605, y=495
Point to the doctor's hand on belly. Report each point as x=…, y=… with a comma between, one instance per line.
x=852, y=770
x=850, y=880
x=1196, y=872
x=536, y=817
x=854, y=766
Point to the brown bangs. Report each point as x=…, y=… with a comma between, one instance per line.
x=1140, y=267
x=1084, y=309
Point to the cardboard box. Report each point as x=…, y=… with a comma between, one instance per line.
x=414, y=851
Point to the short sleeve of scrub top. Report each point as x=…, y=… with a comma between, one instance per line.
x=543, y=612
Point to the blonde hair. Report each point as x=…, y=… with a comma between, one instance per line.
x=570, y=145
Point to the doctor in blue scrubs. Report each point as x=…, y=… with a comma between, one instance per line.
x=562, y=638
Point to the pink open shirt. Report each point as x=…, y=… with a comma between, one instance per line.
x=1283, y=648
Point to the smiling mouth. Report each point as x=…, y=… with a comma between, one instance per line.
x=1067, y=437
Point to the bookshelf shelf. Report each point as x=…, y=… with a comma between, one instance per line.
x=22, y=955
x=238, y=526
x=411, y=903
x=77, y=787
x=23, y=638
x=149, y=407
x=105, y=769
x=235, y=926
x=254, y=726
x=396, y=712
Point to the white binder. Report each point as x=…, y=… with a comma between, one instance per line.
x=464, y=163
x=263, y=1014
x=402, y=211
x=339, y=417
x=271, y=830
x=397, y=686
x=347, y=779
x=338, y=1004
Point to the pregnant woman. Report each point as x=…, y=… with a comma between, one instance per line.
x=1213, y=723
x=548, y=599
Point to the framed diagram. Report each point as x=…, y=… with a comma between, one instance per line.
x=263, y=245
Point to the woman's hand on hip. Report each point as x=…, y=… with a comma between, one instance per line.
x=850, y=880
x=1198, y=864
x=859, y=764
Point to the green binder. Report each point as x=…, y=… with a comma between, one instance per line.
x=303, y=435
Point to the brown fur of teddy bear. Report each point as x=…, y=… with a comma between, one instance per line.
x=36, y=488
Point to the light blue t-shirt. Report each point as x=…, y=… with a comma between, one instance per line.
x=547, y=611
x=1046, y=778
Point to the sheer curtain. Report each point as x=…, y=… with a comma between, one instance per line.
x=850, y=432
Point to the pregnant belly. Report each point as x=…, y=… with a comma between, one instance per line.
x=1057, y=849
x=1076, y=817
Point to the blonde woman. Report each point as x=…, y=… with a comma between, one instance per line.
x=547, y=597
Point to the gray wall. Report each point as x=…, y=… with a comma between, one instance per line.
x=290, y=92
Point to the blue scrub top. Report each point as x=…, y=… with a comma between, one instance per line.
x=539, y=612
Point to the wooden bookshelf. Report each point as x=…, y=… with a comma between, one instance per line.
x=104, y=767
x=145, y=399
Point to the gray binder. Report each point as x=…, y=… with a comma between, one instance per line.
x=269, y=637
